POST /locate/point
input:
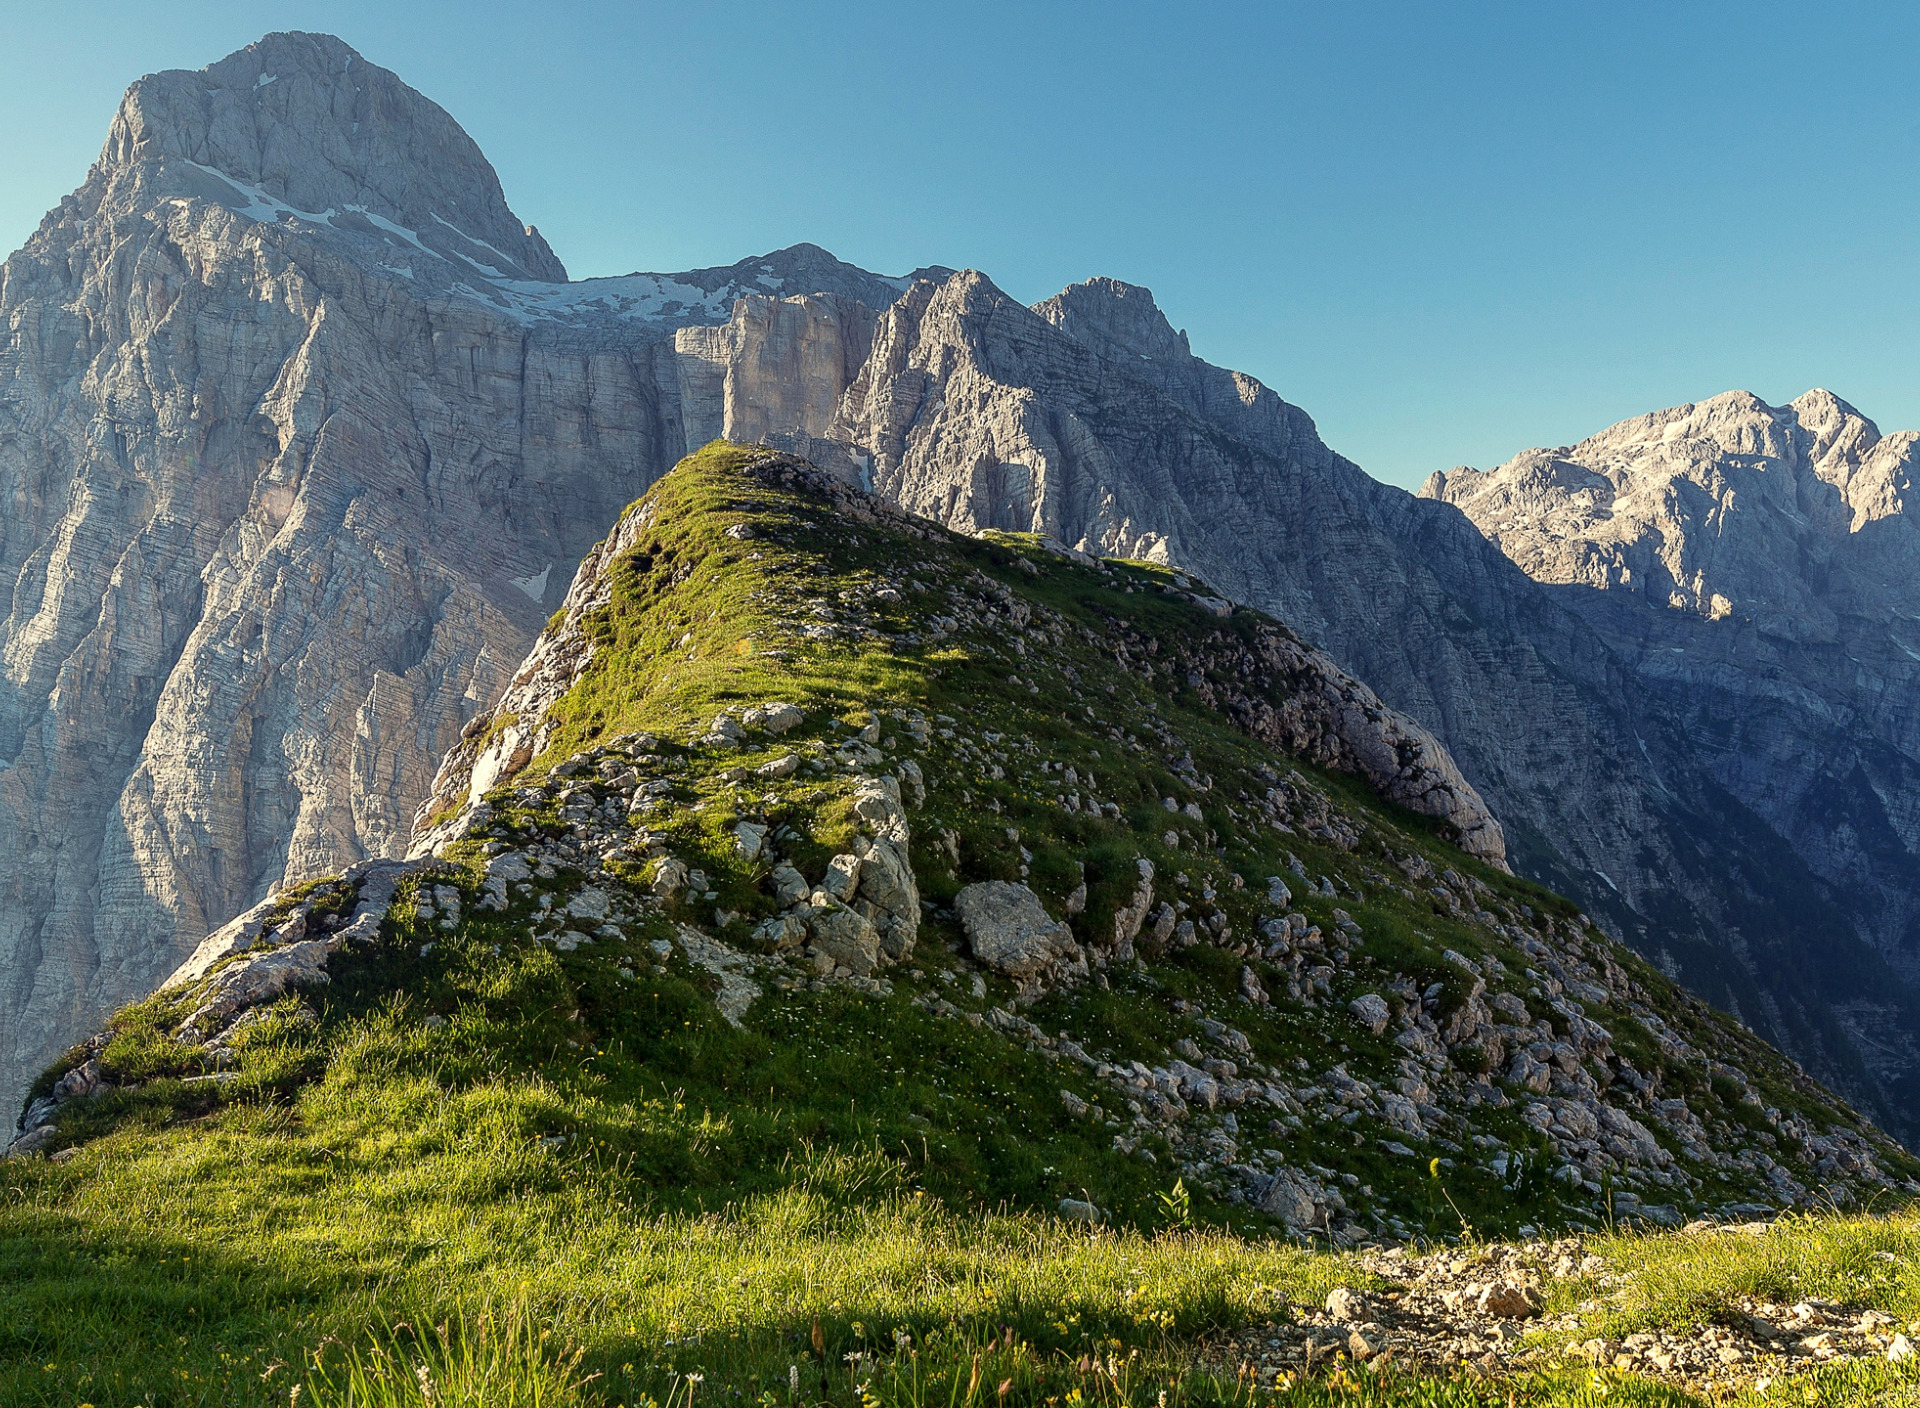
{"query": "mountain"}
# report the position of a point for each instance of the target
(1758, 569)
(302, 433)
(1088, 419)
(1032, 879)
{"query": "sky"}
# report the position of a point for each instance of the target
(1449, 231)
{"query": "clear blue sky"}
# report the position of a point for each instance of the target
(1449, 231)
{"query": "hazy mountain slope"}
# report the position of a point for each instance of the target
(1758, 568)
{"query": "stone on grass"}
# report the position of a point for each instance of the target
(1346, 1304)
(1507, 1300)
(774, 718)
(1370, 1010)
(750, 837)
(669, 877)
(1010, 931)
(843, 935)
(786, 765)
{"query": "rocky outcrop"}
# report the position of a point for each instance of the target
(1010, 931)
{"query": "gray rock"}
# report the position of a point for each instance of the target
(1346, 1304)
(1370, 1010)
(774, 718)
(790, 887)
(749, 837)
(843, 934)
(1129, 918)
(780, 933)
(670, 876)
(589, 902)
(842, 878)
(1009, 930)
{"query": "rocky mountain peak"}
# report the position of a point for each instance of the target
(1728, 506)
(1115, 318)
(301, 125)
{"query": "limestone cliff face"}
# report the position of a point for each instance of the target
(301, 437)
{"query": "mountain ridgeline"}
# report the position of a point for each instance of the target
(1057, 879)
(303, 432)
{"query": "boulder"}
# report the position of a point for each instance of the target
(669, 877)
(1507, 1300)
(750, 837)
(876, 801)
(790, 887)
(843, 934)
(786, 765)
(842, 878)
(1370, 1010)
(888, 887)
(774, 718)
(1010, 931)
(780, 933)
(1130, 917)
(589, 902)
(1346, 1304)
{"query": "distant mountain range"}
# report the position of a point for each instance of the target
(302, 433)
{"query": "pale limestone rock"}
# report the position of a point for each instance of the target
(1370, 1010)
(843, 934)
(1009, 930)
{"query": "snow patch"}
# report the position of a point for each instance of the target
(505, 258)
(264, 79)
(643, 297)
(535, 586)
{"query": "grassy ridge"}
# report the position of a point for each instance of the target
(600, 1187)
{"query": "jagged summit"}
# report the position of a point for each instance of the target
(1115, 318)
(1723, 507)
(301, 127)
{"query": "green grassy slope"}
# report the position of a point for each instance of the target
(471, 1122)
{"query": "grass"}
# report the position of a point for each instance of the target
(1673, 1282)
(498, 1169)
